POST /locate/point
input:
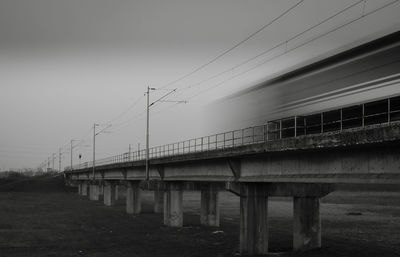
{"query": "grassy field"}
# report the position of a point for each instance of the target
(58, 222)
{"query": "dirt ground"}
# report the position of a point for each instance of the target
(62, 223)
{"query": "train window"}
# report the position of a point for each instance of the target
(288, 127)
(313, 124)
(376, 112)
(395, 108)
(352, 116)
(300, 126)
(331, 120)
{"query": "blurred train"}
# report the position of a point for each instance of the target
(363, 74)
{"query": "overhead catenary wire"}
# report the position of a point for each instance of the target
(234, 46)
(294, 48)
(285, 42)
(363, 15)
(136, 102)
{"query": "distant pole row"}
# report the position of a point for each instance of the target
(72, 142)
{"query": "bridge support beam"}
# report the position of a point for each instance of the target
(209, 213)
(158, 201)
(94, 192)
(173, 207)
(133, 197)
(253, 219)
(109, 193)
(306, 223)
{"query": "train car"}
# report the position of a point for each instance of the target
(363, 74)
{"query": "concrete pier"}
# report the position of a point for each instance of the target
(101, 189)
(173, 208)
(116, 192)
(306, 223)
(158, 201)
(94, 192)
(84, 189)
(209, 212)
(253, 219)
(133, 197)
(109, 193)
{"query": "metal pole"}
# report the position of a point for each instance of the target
(59, 160)
(54, 157)
(71, 153)
(129, 155)
(94, 149)
(147, 135)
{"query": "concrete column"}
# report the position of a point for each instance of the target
(209, 213)
(173, 211)
(133, 197)
(94, 192)
(116, 192)
(253, 219)
(84, 189)
(306, 223)
(109, 193)
(80, 186)
(158, 201)
(101, 189)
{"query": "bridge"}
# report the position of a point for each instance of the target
(302, 156)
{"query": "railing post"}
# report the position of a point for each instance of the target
(389, 111)
(280, 129)
(224, 141)
(295, 126)
(363, 113)
(242, 136)
(322, 122)
(341, 119)
(208, 143)
(233, 138)
(202, 144)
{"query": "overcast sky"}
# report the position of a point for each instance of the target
(65, 65)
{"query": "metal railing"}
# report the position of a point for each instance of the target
(377, 112)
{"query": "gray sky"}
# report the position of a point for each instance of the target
(67, 64)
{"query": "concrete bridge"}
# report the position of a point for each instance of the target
(303, 156)
(300, 157)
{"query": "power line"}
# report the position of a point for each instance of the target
(234, 46)
(127, 109)
(271, 48)
(294, 48)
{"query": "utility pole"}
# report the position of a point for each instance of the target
(94, 148)
(147, 133)
(94, 144)
(54, 157)
(147, 125)
(72, 147)
(48, 164)
(59, 159)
